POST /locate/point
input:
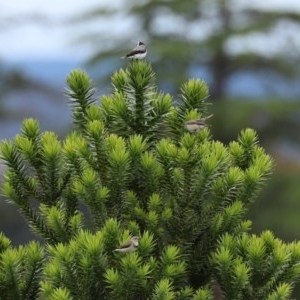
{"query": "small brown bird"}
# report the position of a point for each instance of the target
(196, 125)
(129, 246)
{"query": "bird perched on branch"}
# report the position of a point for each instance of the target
(129, 246)
(138, 52)
(196, 125)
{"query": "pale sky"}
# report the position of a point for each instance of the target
(30, 40)
(35, 39)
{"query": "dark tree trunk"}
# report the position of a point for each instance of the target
(220, 74)
(221, 63)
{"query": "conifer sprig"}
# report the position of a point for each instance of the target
(135, 107)
(81, 95)
(253, 267)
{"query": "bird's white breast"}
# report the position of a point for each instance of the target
(139, 55)
(193, 127)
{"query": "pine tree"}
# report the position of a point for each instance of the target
(131, 168)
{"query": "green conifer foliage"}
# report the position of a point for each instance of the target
(131, 168)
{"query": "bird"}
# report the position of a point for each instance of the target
(196, 125)
(130, 245)
(138, 52)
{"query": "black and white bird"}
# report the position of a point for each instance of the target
(129, 246)
(138, 52)
(196, 125)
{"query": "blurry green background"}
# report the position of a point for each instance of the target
(248, 52)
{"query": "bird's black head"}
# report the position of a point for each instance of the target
(141, 43)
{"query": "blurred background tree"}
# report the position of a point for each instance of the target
(219, 39)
